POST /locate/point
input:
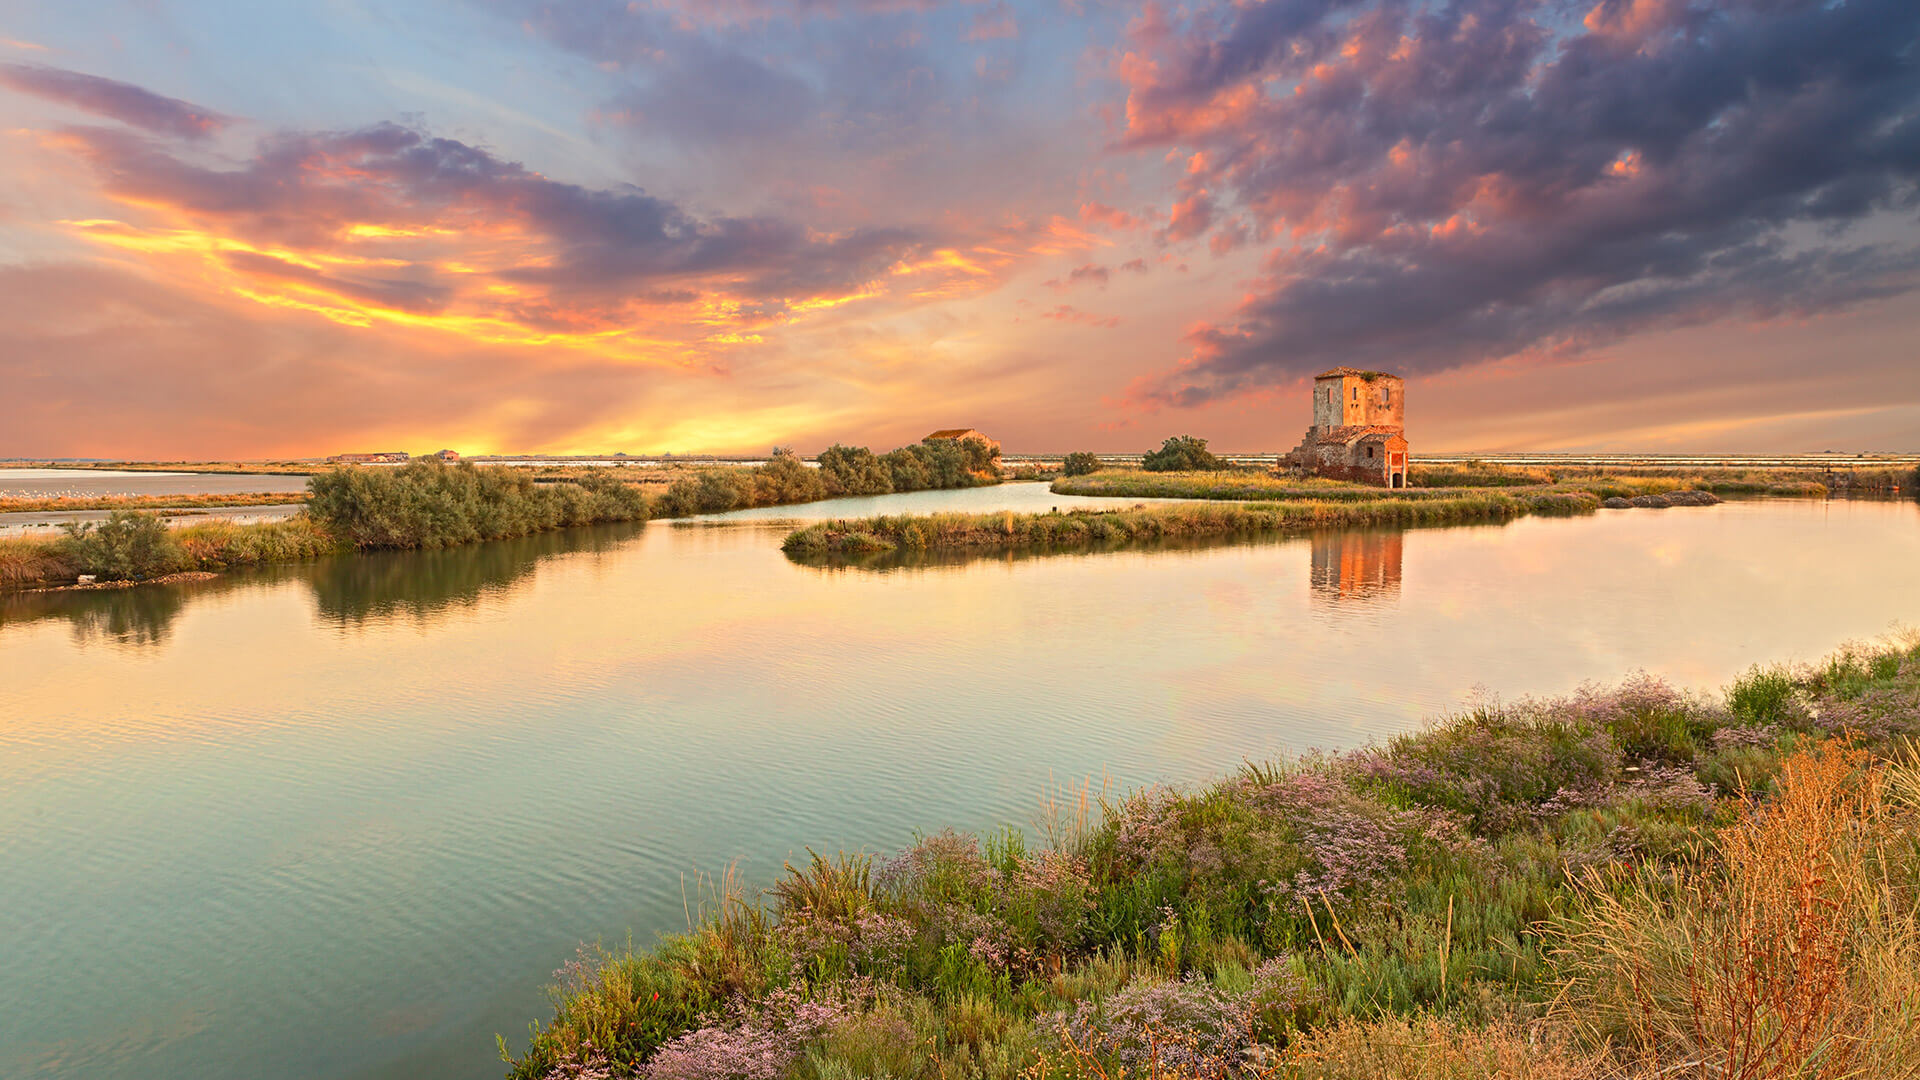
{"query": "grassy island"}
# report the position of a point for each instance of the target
(1081, 528)
(1628, 882)
(1447, 481)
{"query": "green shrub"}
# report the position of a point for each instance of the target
(1080, 463)
(854, 470)
(1182, 453)
(430, 504)
(1765, 695)
(128, 546)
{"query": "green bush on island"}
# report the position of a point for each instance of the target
(128, 546)
(431, 504)
(1182, 453)
(1080, 463)
(1601, 885)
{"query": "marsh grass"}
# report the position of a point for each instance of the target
(36, 504)
(1448, 481)
(1567, 889)
(34, 560)
(934, 532)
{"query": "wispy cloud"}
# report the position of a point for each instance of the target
(115, 100)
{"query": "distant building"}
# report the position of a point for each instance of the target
(983, 453)
(448, 455)
(382, 457)
(965, 435)
(1358, 432)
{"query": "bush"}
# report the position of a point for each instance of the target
(931, 465)
(786, 479)
(1182, 453)
(430, 504)
(1080, 463)
(854, 470)
(128, 546)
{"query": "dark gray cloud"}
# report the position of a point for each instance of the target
(120, 101)
(1450, 185)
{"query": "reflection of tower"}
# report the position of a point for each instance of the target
(1356, 565)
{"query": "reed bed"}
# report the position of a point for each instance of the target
(1450, 481)
(41, 504)
(34, 560)
(1629, 882)
(932, 532)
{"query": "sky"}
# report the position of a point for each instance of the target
(231, 229)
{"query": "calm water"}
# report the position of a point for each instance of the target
(342, 820)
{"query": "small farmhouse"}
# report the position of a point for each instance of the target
(447, 455)
(1358, 432)
(964, 435)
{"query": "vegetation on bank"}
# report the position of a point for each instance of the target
(133, 545)
(1654, 480)
(1429, 482)
(430, 504)
(1080, 528)
(1182, 453)
(45, 503)
(843, 470)
(1627, 882)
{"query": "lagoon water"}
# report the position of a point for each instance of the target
(341, 820)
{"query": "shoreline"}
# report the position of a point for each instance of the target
(1503, 881)
(1083, 528)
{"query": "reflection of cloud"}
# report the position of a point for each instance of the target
(1356, 566)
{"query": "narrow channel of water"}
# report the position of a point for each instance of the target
(341, 820)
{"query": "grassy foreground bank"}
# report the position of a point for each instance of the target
(930, 532)
(1628, 882)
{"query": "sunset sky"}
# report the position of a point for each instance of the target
(242, 229)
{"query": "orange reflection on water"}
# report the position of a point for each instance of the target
(1356, 566)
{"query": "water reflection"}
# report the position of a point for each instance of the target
(134, 617)
(424, 586)
(1356, 566)
(418, 586)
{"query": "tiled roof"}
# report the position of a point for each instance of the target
(1357, 432)
(1342, 372)
(954, 433)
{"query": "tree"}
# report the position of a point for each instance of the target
(1080, 463)
(1182, 453)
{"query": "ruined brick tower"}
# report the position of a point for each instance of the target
(1358, 432)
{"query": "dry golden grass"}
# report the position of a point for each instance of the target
(1390, 1048)
(28, 560)
(1795, 954)
(39, 504)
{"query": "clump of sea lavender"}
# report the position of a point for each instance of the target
(1351, 846)
(1188, 1026)
(590, 1065)
(757, 1046)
